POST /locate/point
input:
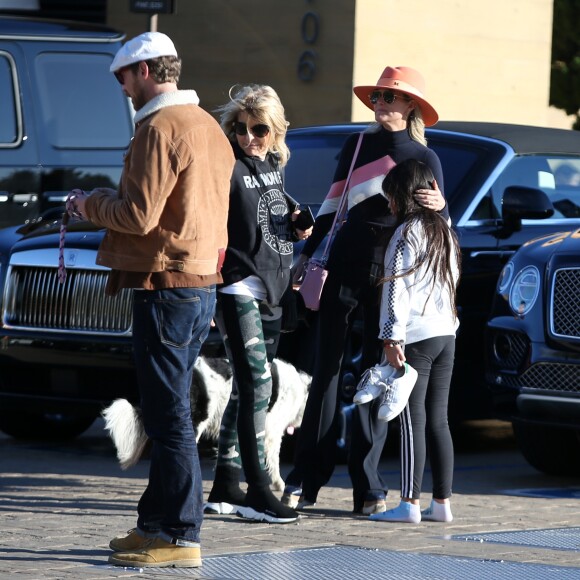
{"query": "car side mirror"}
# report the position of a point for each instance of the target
(524, 203)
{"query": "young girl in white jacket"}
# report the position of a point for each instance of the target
(417, 325)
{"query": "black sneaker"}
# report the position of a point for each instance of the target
(263, 506)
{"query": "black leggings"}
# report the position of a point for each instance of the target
(424, 419)
(317, 439)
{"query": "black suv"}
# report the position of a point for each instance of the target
(533, 345)
(66, 349)
(64, 122)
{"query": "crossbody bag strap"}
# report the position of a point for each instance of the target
(342, 204)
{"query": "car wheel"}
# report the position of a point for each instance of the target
(552, 450)
(29, 425)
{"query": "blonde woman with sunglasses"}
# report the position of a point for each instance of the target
(256, 273)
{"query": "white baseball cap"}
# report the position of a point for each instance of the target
(143, 47)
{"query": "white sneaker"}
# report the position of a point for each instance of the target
(397, 393)
(373, 383)
(405, 512)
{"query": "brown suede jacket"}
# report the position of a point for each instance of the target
(170, 213)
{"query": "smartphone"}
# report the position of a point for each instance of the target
(305, 219)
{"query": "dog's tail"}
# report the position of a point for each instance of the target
(125, 427)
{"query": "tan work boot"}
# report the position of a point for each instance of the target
(158, 553)
(134, 540)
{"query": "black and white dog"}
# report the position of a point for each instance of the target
(210, 390)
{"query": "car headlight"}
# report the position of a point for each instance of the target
(524, 290)
(505, 279)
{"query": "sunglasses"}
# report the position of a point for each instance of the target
(388, 96)
(257, 130)
(119, 74)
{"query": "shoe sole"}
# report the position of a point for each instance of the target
(249, 513)
(430, 518)
(188, 563)
(222, 508)
(376, 518)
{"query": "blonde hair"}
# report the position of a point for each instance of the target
(416, 126)
(262, 103)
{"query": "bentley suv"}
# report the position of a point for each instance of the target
(533, 348)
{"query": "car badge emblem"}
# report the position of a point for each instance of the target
(71, 259)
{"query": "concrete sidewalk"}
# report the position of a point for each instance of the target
(60, 506)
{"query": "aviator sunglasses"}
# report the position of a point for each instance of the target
(120, 74)
(388, 96)
(259, 130)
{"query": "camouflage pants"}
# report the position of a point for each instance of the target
(250, 331)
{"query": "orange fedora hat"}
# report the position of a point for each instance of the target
(406, 80)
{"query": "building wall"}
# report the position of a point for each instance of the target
(484, 60)
(224, 42)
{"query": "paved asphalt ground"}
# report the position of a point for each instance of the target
(61, 504)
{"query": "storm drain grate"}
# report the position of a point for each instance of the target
(358, 563)
(553, 539)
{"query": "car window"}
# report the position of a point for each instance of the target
(566, 194)
(311, 167)
(457, 161)
(8, 110)
(557, 176)
(80, 99)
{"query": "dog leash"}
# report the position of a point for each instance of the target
(71, 210)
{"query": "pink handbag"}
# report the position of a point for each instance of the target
(315, 273)
(311, 288)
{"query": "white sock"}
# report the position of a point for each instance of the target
(438, 512)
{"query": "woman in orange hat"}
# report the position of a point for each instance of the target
(355, 268)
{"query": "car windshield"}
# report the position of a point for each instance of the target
(309, 173)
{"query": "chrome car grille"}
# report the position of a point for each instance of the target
(565, 314)
(560, 377)
(34, 299)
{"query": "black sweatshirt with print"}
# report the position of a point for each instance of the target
(259, 225)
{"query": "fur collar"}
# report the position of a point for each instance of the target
(166, 100)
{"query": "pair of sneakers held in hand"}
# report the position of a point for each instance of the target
(393, 385)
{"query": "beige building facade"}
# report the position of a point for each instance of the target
(484, 60)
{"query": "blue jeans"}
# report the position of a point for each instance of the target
(169, 327)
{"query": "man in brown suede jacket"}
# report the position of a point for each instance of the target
(166, 237)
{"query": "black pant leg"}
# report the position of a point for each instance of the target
(316, 445)
(368, 434)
